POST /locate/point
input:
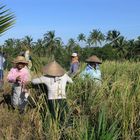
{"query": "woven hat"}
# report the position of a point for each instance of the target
(20, 59)
(53, 69)
(94, 59)
(74, 54)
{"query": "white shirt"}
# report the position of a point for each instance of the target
(56, 85)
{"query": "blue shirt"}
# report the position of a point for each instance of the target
(90, 72)
(74, 67)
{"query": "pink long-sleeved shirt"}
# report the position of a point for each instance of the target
(14, 73)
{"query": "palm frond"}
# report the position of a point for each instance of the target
(7, 19)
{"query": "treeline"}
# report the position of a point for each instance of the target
(110, 46)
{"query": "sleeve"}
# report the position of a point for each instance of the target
(11, 76)
(27, 76)
(38, 80)
(69, 79)
(86, 74)
(3, 59)
(83, 74)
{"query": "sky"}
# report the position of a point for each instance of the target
(71, 17)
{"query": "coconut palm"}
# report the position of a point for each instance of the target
(39, 48)
(121, 46)
(27, 41)
(71, 45)
(112, 36)
(10, 43)
(18, 43)
(7, 19)
(81, 37)
(131, 48)
(11, 47)
(96, 37)
(51, 42)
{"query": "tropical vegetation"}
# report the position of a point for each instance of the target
(109, 112)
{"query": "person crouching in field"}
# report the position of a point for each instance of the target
(19, 76)
(92, 69)
(55, 79)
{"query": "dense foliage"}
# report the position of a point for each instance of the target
(109, 112)
(111, 46)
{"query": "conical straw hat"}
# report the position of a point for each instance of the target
(20, 59)
(53, 69)
(94, 58)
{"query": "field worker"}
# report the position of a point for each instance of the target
(19, 76)
(92, 69)
(55, 79)
(74, 64)
(2, 61)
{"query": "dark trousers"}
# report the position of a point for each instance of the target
(58, 109)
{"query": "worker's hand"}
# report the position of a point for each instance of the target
(18, 79)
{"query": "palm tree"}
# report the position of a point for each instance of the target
(121, 46)
(9, 43)
(51, 42)
(112, 36)
(18, 43)
(7, 19)
(10, 47)
(27, 42)
(95, 37)
(39, 48)
(81, 37)
(131, 48)
(71, 45)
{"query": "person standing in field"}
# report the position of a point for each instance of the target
(19, 76)
(74, 64)
(2, 62)
(92, 69)
(55, 79)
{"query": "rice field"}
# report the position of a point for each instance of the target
(108, 112)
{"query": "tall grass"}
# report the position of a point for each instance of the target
(108, 112)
